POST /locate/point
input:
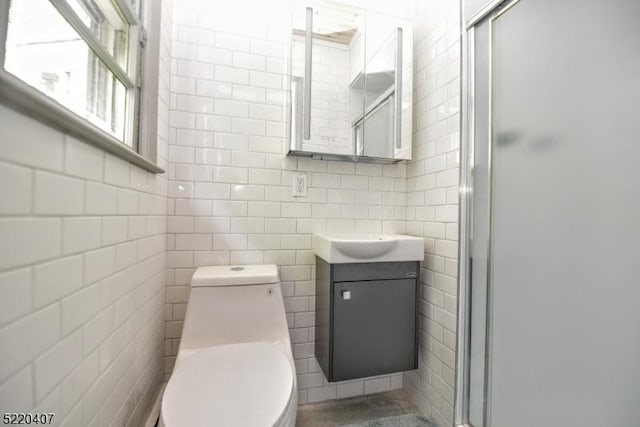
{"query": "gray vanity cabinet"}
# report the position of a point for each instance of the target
(366, 318)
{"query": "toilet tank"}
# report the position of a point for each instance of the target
(239, 275)
(229, 305)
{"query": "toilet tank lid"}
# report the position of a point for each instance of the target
(234, 275)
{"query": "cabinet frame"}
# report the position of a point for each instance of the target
(327, 277)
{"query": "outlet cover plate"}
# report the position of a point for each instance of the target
(299, 185)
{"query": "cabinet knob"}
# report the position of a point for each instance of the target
(346, 294)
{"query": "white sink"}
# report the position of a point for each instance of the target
(346, 248)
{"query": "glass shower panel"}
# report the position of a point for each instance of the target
(564, 272)
(479, 241)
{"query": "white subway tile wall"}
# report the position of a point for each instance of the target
(82, 273)
(432, 199)
(230, 182)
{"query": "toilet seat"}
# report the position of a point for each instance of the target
(247, 385)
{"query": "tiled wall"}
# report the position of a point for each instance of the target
(230, 181)
(432, 198)
(82, 276)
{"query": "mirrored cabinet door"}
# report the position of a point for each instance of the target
(351, 82)
(324, 38)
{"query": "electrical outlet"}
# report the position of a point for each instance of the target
(299, 186)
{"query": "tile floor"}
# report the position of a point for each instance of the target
(355, 409)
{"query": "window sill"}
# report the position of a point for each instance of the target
(19, 95)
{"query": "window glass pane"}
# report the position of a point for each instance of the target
(106, 98)
(109, 27)
(44, 51)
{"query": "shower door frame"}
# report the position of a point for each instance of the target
(462, 396)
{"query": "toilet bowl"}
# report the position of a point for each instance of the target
(234, 366)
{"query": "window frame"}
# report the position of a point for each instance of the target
(141, 105)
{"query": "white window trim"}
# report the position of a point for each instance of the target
(149, 70)
(19, 95)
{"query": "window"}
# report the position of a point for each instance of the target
(84, 54)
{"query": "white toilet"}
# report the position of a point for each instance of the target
(234, 366)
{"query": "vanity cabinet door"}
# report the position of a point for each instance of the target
(374, 328)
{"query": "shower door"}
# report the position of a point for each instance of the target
(550, 267)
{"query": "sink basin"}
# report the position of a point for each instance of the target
(364, 247)
(352, 248)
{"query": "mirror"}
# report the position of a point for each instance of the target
(351, 84)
